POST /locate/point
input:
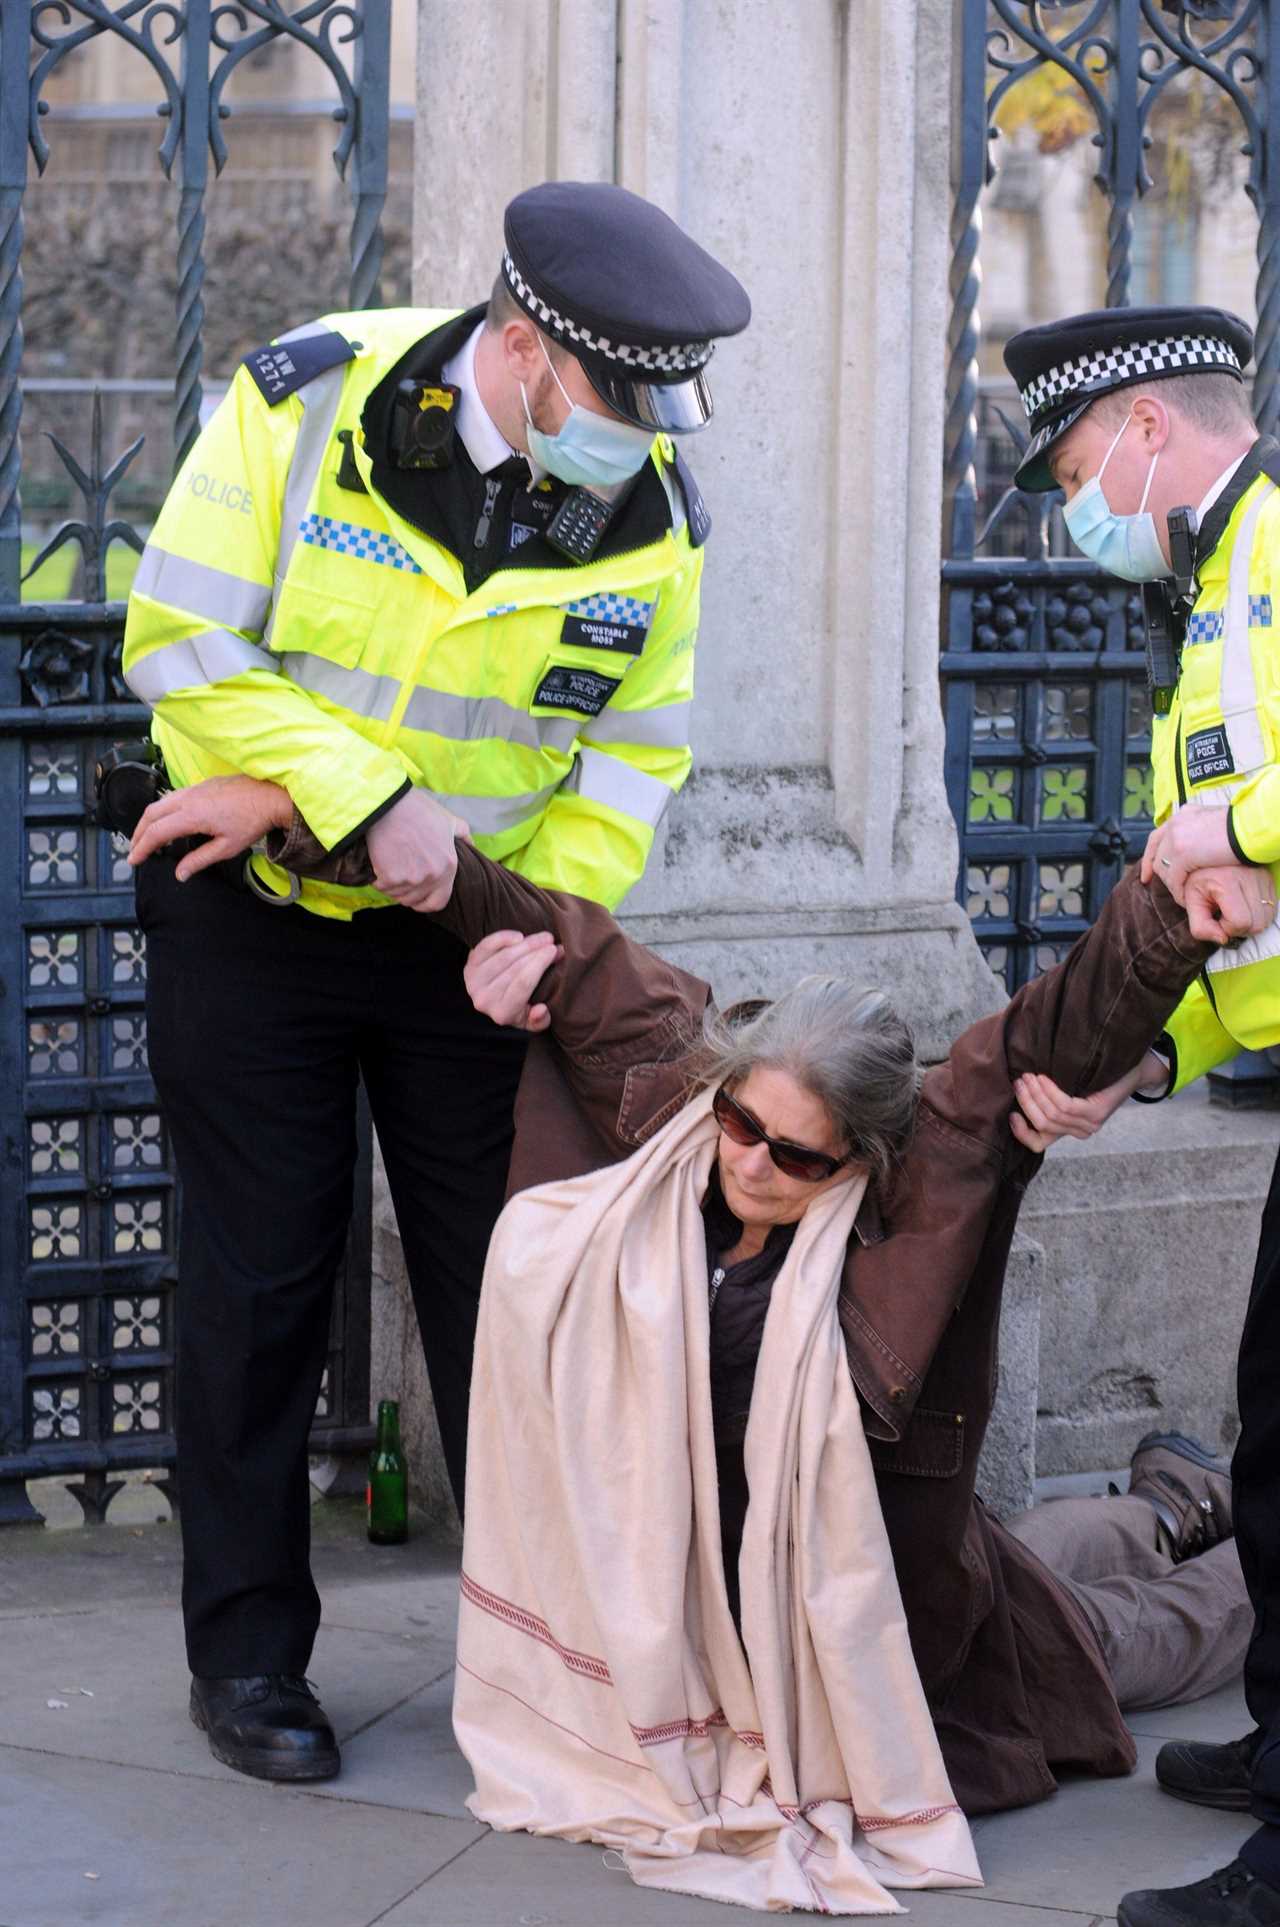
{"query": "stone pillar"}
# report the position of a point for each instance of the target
(808, 147)
(815, 830)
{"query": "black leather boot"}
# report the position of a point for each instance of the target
(270, 1725)
(1209, 1775)
(1232, 1897)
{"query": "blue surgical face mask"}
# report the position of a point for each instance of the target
(588, 450)
(1125, 545)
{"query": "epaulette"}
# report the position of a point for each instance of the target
(282, 367)
(694, 507)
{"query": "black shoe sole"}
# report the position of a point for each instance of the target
(267, 1764)
(1223, 1800)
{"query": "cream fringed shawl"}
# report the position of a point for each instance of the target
(603, 1693)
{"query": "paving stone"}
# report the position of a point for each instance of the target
(408, 1759)
(1099, 1839)
(172, 1852)
(514, 1880)
(1218, 1716)
(131, 1660)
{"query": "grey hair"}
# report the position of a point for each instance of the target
(844, 1044)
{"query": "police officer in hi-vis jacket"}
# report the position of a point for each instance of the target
(429, 572)
(1136, 413)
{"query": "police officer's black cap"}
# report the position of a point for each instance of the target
(632, 298)
(1063, 366)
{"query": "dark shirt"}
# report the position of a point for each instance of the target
(739, 1306)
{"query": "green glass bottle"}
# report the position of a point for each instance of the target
(387, 1493)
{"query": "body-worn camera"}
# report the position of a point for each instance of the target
(127, 779)
(423, 424)
(1165, 611)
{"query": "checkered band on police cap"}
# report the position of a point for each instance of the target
(662, 362)
(1115, 367)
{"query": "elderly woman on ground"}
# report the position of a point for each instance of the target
(626, 1444)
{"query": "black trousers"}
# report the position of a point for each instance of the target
(260, 1022)
(1255, 1474)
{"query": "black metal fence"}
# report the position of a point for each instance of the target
(1048, 724)
(89, 1284)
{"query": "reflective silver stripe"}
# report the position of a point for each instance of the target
(459, 719)
(354, 689)
(471, 719)
(307, 329)
(492, 815)
(675, 496)
(215, 656)
(202, 590)
(604, 779)
(320, 402)
(1237, 687)
(1252, 950)
(664, 728)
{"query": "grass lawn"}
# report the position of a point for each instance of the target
(52, 583)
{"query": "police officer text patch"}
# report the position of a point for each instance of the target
(1209, 756)
(607, 622)
(580, 690)
(281, 370)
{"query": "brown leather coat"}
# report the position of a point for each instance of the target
(1014, 1676)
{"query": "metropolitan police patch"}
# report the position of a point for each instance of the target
(1209, 756)
(281, 368)
(580, 690)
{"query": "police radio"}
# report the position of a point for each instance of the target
(582, 520)
(1165, 610)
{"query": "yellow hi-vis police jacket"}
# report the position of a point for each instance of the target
(286, 627)
(1219, 748)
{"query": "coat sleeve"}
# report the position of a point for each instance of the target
(622, 1018)
(1084, 1023)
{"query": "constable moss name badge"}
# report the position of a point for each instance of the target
(1209, 756)
(619, 622)
(581, 690)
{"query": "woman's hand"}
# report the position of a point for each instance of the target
(502, 973)
(1046, 1113)
(234, 812)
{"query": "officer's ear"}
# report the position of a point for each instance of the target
(1151, 420)
(520, 350)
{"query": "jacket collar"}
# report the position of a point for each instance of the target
(418, 495)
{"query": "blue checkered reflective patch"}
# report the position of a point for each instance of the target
(1259, 611)
(1204, 626)
(605, 607)
(502, 609)
(370, 545)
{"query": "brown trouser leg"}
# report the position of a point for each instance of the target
(1169, 1632)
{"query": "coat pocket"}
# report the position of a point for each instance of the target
(932, 1447)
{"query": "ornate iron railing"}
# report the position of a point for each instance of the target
(1042, 666)
(89, 1286)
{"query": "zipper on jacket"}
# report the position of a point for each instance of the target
(717, 1279)
(1182, 797)
(492, 490)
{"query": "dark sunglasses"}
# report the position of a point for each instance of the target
(793, 1160)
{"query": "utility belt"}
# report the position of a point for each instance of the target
(127, 779)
